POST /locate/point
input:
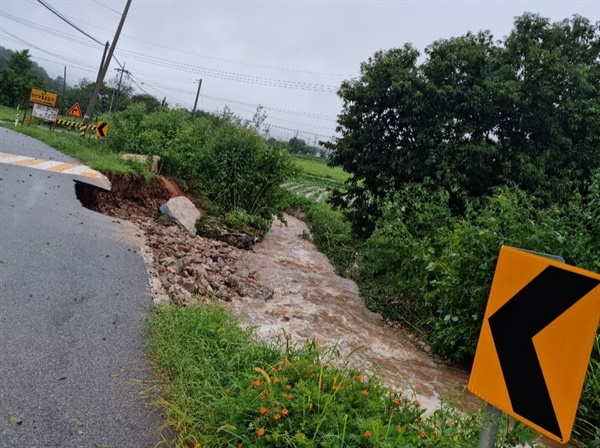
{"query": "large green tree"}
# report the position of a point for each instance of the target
(17, 77)
(477, 113)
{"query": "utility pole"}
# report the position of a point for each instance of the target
(197, 95)
(116, 97)
(64, 101)
(104, 68)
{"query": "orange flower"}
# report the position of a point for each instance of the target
(396, 402)
(365, 392)
(256, 383)
(422, 435)
(197, 445)
(390, 390)
(263, 395)
(277, 416)
(399, 428)
(432, 433)
(284, 411)
(260, 432)
(288, 387)
(367, 434)
(240, 445)
(287, 363)
(336, 387)
(264, 410)
(360, 378)
(290, 397)
(418, 404)
(275, 380)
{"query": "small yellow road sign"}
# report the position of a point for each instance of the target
(101, 129)
(74, 111)
(535, 344)
(43, 97)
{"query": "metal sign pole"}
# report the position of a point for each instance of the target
(487, 438)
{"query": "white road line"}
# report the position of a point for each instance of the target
(13, 159)
(46, 165)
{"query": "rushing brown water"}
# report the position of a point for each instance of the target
(311, 301)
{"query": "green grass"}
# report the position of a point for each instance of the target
(318, 167)
(9, 113)
(222, 388)
(91, 152)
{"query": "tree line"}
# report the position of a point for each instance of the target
(476, 114)
(18, 74)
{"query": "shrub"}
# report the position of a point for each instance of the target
(221, 159)
(226, 389)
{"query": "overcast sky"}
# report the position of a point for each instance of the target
(289, 56)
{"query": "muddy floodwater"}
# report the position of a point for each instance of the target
(311, 301)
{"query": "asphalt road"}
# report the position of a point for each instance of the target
(72, 302)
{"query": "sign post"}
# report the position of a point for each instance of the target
(536, 339)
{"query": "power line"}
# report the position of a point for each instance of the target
(60, 16)
(107, 7)
(222, 74)
(56, 55)
(180, 66)
(248, 64)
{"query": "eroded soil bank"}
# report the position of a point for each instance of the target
(283, 286)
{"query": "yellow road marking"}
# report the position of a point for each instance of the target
(28, 162)
(62, 167)
(55, 167)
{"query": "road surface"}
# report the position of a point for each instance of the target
(72, 301)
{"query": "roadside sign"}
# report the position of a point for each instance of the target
(44, 97)
(74, 111)
(101, 129)
(535, 344)
(44, 112)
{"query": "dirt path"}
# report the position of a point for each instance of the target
(310, 300)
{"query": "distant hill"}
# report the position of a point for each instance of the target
(50, 84)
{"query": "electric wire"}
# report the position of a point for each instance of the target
(180, 66)
(60, 16)
(107, 7)
(230, 61)
(244, 78)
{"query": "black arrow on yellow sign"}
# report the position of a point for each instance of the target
(513, 327)
(102, 129)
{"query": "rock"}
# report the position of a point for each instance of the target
(189, 287)
(232, 281)
(264, 293)
(144, 160)
(182, 210)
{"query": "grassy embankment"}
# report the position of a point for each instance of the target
(431, 271)
(90, 151)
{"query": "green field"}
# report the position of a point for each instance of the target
(318, 167)
(315, 180)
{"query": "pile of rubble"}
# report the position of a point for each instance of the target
(184, 268)
(193, 268)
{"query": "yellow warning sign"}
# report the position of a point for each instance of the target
(75, 111)
(536, 340)
(43, 97)
(101, 129)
